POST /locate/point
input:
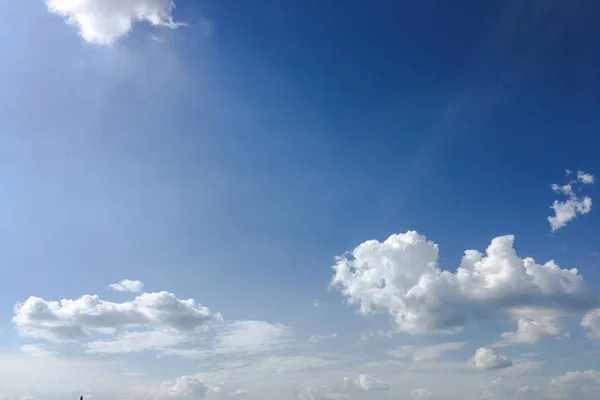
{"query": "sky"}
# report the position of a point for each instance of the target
(303, 200)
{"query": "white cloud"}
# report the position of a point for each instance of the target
(425, 353)
(591, 322)
(576, 385)
(379, 333)
(421, 394)
(486, 359)
(532, 330)
(499, 389)
(365, 383)
(238, 337)
(127, 286)
(401, 276)
(75, 319)
(131, 342)
(185, 386)
(251, 337)
(586, 178)
(320, 338)
(37, 351)
(566, 210)
(312, 393)
(105, 21)
(316, 303)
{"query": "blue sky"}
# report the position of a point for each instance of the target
(227, 152)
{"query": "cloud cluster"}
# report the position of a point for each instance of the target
(127, 285)
(105, 21)
(566, 210)
(486, 359)
(75, 319)
(401, 276)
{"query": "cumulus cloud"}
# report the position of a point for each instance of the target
(365, 383)
(105, 21)
(586, 178)
(75, 319)
(532, 330)
(401, 276)
(591, 322)
(566, 210)
(127, 286)
(185, 386)
(486, 359)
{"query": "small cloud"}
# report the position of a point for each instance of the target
(533, 330)
(585, 178)
(127, 286)
(366, 383)
(316, 303)
(319, 338)
(486, 359)
(425, 353)
(568, 172)
(566, 210)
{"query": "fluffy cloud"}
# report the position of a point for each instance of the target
(586, 178)
(127, 286)
(532, 330)
(75, 319)
(425, 353)
(576, 385)
(185, 386)
(591, 322)
(566, 210)
(487, 359)
(401, 276)
(365, 383)
(105, 21)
